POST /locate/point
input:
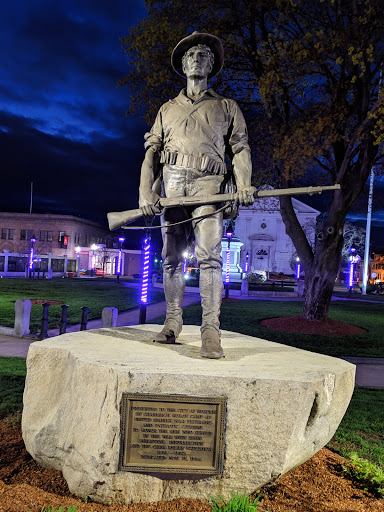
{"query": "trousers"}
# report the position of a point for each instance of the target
(208, 234)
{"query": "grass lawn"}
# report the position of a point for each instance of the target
(94, 293)
(244, 317)
(362, 428)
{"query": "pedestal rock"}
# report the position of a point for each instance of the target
(283, 405)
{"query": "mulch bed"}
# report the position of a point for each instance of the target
(319, 485)
(297, 324)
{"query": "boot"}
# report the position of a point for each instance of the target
(211, 346)
(174, 285)
(167, 335)
(211, 291)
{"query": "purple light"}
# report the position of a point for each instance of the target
(119, 259)
(351, 269)
(298, 266)
(247, 262)
(121, 239)
(144, 284)
(31, 253)
(227, 265)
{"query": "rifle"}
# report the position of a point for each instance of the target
(118, 219)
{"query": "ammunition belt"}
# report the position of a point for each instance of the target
(200, 163)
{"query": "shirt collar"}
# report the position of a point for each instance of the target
(208, 92)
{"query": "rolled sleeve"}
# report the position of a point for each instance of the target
(154, 138)
(238, 139)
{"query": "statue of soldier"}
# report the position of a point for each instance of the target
(185, 150)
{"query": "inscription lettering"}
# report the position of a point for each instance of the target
(174, 434)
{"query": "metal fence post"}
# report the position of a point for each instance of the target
(63, 321)
(44, 321)
(84, 318)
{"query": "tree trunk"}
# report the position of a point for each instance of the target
(321, 265)
(321, 273)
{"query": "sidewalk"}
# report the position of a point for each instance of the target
(369, 371)
(10, 346)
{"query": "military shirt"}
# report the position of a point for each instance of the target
(207, 128)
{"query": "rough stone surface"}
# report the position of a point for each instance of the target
(283, 405)
(22, 315)
(109, 317)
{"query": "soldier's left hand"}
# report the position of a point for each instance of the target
(245, 196)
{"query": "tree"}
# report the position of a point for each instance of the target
(353, 235)
(306, 74)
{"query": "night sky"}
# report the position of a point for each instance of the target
(62, 117)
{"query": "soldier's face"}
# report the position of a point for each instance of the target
(197, 63)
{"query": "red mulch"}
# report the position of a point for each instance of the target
(319, 485)
(297, 324)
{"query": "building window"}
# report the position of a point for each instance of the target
(23, 234)
(42, 236)
(49, 236)
(10, 234)
(61, 235)
(30, 234)
(4, 234)
(57, 265)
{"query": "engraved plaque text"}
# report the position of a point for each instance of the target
(172, 433)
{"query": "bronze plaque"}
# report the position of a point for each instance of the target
(172, 434)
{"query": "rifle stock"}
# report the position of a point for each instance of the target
(118, 219)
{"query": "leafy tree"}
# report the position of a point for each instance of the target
(306, 74)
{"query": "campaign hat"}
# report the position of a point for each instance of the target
(194, 39)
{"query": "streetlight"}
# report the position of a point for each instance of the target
(229, 234)
(353, 258)
(119, 259)
(145, 278)
(247, 262)
(94, 248)
(185, 256)
(298, 267)
(31, 256)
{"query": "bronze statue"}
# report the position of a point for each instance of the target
(187, 146)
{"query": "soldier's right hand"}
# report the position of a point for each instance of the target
(148, 203)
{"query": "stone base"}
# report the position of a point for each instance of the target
(283, 405)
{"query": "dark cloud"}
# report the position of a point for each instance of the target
(62, 118)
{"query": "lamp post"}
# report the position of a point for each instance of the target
(185, 256)
(119, 259)
(94, 248)
(31, 257)
(352, 261)
(298, 268)
(145, 278)
(229, 234)
(77, 252)
(247, 262)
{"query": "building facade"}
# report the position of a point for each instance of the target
(260, 232)
(55, 245)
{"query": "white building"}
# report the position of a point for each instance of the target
(261, 233)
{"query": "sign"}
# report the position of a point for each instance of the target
(65, 242)
(84, 252)
(172, 434)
